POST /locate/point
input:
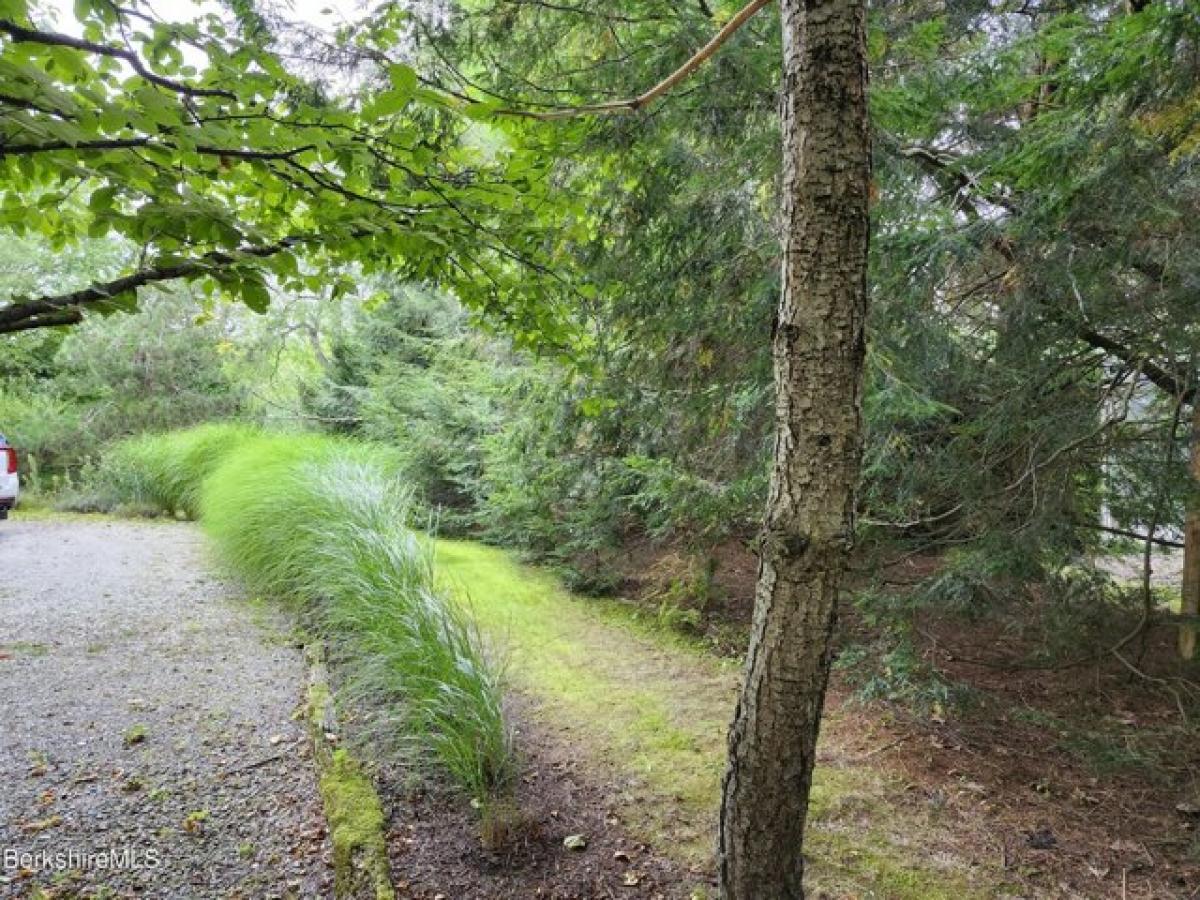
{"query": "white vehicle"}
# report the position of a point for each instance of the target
(10, 482)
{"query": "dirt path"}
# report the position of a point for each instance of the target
(149, 716)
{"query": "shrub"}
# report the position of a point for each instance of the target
(40, 426)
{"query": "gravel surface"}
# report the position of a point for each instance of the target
(148, 718)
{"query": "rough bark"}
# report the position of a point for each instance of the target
(1190, 588)
(808, 531)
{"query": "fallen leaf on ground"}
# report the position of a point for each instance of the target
(575, 842)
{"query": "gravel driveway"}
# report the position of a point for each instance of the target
(148, 746)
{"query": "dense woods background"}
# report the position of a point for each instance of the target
(1032, 341)
(603, 401)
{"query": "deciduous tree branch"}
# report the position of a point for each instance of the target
(24, 103)
(65, 309)
(66, 317)
(18, 34)
(132, 143)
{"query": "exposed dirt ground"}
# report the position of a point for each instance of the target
(436, 850)
(1086, 778)
(146, 710)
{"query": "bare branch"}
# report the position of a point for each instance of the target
(1135, 535)
(645, 99)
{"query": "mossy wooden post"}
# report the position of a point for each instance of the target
(1189, 591)
(819, 349)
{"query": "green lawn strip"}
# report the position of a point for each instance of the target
(654, 709)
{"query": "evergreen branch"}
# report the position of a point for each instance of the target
(584, 11)
(943, 168)
(633, 104)
(1173, 383)
(1136, 535)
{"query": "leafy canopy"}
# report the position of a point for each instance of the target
(195, 143)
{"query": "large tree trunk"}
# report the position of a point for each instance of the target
(818, 350)
(1190, 588)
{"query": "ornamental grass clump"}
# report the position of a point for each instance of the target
(325, 522)
(161, 473)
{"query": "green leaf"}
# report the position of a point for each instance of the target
(403, 78)
(101, 200)
(254, 293)
(387, 104)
